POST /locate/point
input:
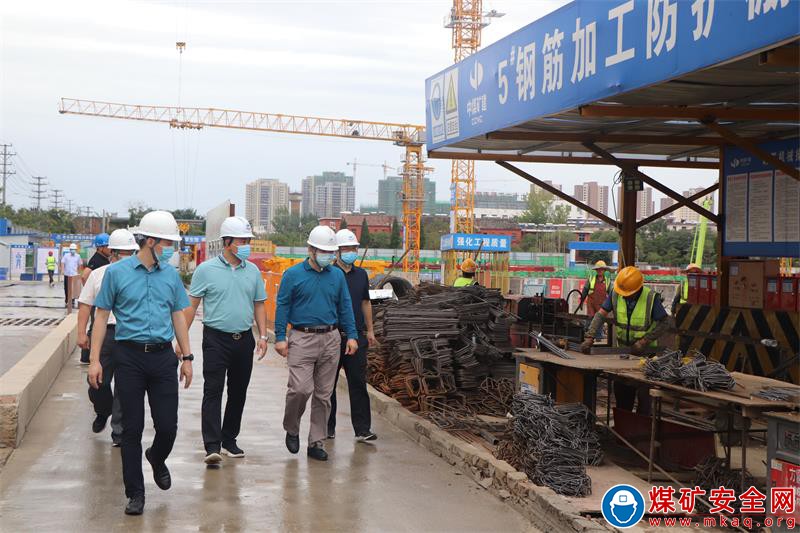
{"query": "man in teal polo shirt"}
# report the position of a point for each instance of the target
(314, 299)
(148, 299)
(232, 292)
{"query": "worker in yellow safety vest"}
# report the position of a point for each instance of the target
(51, 265)
(639, 320)
(467, 277)
(682, 296)
(596, 288)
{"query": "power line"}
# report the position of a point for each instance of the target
(39, 193)
(57, 198)
(6, 164)
(69, 205)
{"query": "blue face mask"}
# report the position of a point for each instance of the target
(349, 257)
(242, 252)
(324, 260)
(166, 254)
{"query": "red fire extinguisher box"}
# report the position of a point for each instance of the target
(772, 293)
(788, 293)
(692, 296)
(712, 291)
(703, 286)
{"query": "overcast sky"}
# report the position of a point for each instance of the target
(354, 59)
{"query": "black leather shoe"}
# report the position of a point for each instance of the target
(99, 423)
(135, 505)
(160, 473)
(318, 453)
(292, 443)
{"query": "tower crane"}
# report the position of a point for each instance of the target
(466, 19)
(409, 136)
(355, 163)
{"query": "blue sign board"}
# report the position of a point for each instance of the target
(470, 242)
(193, 239)
(59, 237)
(762, 205)
(592, 49)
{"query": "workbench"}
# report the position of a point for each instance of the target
(737, 401)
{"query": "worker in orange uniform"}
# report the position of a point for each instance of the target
(682, 296)
(596, 288)
(639, 320)
(467, 277)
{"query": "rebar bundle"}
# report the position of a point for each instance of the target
(778, 394)
(695, 373)
(552, 444)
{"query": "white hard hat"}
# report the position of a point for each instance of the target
(623, 497)
(345, 237)
(237, 227)
(122, 239)
(73, 246)
(159, 225)
(323, 238)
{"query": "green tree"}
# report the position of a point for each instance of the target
(379, 240)
(541, 209)
(546, 242)
(343, 225)
(291, 230)
(136, 210)
(601, 236)
(46, 220)
(365, 237)
(432, 230)
(188, 213)
(395, 240)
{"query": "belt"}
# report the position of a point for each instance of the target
(148, 347)
(235, 336)
(315, 329)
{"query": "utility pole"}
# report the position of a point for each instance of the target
(69, 205)
(39, 190)
(57, 197)
(5, 163)
(87, 211)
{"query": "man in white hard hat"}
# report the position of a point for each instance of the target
(232, 292)
(121, 244)
(355, 365)
(314, 299)
(71, 262)
(148, 299)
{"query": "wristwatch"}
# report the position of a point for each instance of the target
(263, 338)
(189, 357)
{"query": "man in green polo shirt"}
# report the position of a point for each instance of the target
(232, 292)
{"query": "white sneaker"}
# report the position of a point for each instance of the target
(213, 458)
(366, 437)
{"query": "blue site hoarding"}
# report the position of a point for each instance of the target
(592, 49)
(470, 242)
(762, 205)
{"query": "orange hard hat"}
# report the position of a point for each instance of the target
(693, 267)
(469, 266)
(628, 281)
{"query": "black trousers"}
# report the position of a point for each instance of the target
(138, 373)
(103, 399)
(66, 288)
(355, 369)
(50, 273)
(224, 355)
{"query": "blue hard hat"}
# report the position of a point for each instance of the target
(101, 240)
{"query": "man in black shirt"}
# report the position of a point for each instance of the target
(100, 258)
(355, 365)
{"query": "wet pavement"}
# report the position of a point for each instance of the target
(26, 299)
(65, 478)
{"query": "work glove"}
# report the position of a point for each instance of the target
(638, 348)
(586, 345)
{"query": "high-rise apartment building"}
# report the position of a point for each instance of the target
(323, 201)
(499, 200)
(592, 194)
(687, 215)
(390, 195)
(645, 206)
(263, 198)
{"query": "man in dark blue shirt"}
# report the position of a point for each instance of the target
(355, 366)
(314, 299)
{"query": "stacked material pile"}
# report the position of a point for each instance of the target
(439, 346)
(693, 371)
(552, 444)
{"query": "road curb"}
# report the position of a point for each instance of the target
(27, 383)
(545, 509)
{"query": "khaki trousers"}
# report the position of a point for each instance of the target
(313, 361)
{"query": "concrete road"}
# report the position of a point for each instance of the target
(65, 478)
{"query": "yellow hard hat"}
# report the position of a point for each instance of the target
(599, 264)
(628, 281)
(469, 266)
(692, 266)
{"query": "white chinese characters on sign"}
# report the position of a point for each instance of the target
(585, 40)
(621, 54)
(553, 72)
(526, 72)
(662, 19)
(757, 7)
(704, 17)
